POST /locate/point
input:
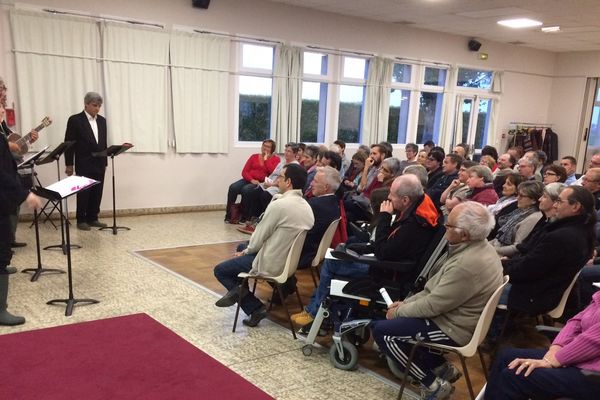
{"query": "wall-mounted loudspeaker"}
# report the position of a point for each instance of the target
(474, 45)
(201, 3)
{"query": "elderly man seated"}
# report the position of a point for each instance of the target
(447, 310)
(286, 216)
(404, 238)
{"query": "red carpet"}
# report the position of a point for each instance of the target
(130, 357)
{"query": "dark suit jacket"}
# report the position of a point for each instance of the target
(325, 209)
(79, 130)
(11, 192)
(540, 276)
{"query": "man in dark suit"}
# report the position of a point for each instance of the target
(88, 130)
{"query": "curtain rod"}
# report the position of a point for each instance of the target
(338, 52)
(531, 124)
(133, 22)
(249, 38)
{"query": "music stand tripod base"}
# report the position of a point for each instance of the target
(71, 303)
(115, 229)
(38, 271)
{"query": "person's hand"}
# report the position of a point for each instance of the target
(348, 183)
(254, 182)
(529, 365)
(69, 170)
(391, 311)
(34, 136)
(454, 184)
(33, 201)
(369, 162)
(238, 253)
(387, 207)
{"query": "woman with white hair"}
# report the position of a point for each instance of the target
(447, 310)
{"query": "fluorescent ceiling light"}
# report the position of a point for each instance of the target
(550, 29)
(520, 23)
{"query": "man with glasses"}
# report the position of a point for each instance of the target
(411, 151)
(541, 274)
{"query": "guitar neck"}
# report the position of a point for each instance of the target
(27, 138)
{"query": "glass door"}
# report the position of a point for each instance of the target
(590, 143)
(473, 115)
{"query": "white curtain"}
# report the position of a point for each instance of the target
(377, 101)
(448, 116)
(497, 82)
(200, 84)
(494, 137)
(287, 95)
(135, 73)
(57, 63)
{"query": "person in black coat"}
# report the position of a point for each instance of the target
(541, 275)
(12, 195)
(88, 130)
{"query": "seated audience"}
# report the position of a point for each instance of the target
(517, 225)
(490, 151)
(458, 191)
(434, 167)
(256, 169)
(411, 150)
(352, 177)
(506, 163)
(428, 145)
(309, 162)
(507, 203)
(461, 149)
(489, 162)
(527, 168)
(447, 310)
(450, 167)
(540, 275)
(419, 171)
(554, 173)
(522, 374)
(286, 216)
(422, 158)
(372, 163)
(480, 183)
(569, 163)
(342, 152)
(406, 238)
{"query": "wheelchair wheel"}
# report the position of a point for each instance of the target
(307, 350)
(357, 339)
(350, 359)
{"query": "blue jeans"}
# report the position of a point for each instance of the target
(227, 272)
(543, 383)
(334, 269)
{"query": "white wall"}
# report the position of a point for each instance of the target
(146, 181)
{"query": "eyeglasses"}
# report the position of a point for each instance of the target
(431, 158)
(549, 174)
(450, 226)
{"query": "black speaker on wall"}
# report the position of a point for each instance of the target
(474, 45)
(201, 3)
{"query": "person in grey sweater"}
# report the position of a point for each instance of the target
(446, 311)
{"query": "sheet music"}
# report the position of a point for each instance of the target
(71, 185)
(329, 256)
(33, 156)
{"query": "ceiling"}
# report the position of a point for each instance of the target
(579, 20)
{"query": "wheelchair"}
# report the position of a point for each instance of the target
(352, 306)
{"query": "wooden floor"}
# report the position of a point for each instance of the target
(197, 262)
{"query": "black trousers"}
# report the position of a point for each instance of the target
(88, 201)
(5, 241)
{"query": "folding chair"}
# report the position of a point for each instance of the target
(323, 246)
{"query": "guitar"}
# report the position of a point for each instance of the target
(25, 141)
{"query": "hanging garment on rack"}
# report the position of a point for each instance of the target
(550, 145)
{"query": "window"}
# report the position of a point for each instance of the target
(255, 90)
(401, 73)
(314, 98)
(430, 116)
(398, 117)
(483, 123)
(473, 78)
(351, 99)
(434, 76)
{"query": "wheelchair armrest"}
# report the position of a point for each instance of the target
(592, 376)
(342, 252)
(549, 331)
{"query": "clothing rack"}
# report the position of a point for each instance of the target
(534, 136)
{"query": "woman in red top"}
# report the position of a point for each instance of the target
(256, 169)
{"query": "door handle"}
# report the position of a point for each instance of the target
(585, 134)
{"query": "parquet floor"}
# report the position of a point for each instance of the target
(197, 262)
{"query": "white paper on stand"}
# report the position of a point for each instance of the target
(70, 185)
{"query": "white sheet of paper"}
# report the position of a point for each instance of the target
(71, 185)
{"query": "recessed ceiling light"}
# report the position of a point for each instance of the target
(520, 23)
(550, 29)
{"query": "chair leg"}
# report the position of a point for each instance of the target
(299, 299)
(485, 372)
(467, 378)
(407, 369)
(312, 275)
(239, 303)
(287, 312)
(275, 290)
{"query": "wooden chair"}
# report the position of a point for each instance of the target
(468, 350)
(322, 250)
(291, 264)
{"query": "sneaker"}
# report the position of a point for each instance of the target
(302, 318)
(443, 390)
(448, 372)
(248, 229)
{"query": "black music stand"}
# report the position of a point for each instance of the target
(55, 156)
(112, 152)
(30, 163)
(60, 191)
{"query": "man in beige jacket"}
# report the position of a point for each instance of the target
(285, 217)
(446, 311)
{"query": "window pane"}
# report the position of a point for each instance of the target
(435, 76)
(314, 108)
(355, 68)
(315, 63)
(255, 108)
(398, 119)
(254, 56)
(430, 115)
(467, 108)
(350, 115)
(474, 78)
(401, 73)
(483, 123)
